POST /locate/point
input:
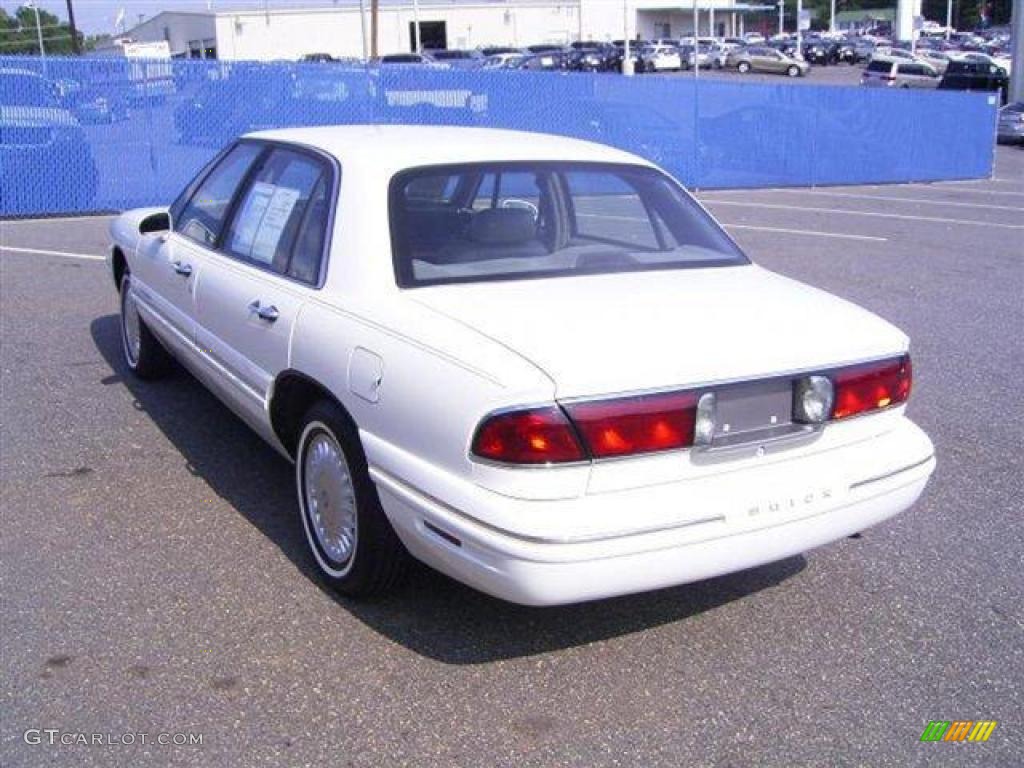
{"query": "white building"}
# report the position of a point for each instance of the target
(261, 34)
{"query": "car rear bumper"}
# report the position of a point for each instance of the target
(776, 517)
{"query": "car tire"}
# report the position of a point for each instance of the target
(743, 68)
(357, 552)
(143, 354)
(793, 71)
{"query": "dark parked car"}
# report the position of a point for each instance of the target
(589, 58)
(548, 61)
(820, 51)
(495, 50)
(964, 75)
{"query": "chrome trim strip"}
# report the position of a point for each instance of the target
(401, 486)
(887, 475)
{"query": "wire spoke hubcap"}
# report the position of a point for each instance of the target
(330, 497)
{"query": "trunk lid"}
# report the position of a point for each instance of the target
(616, 333)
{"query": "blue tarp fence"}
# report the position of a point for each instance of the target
(80, 135)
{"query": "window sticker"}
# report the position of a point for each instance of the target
(262, 222)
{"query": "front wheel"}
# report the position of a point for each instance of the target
(793, 71)
(743, 68)
(356, 550)
(143, 354)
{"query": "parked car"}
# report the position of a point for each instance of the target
(410, 58)
(504, 61)
(499, 50)
(758, 58)
(549, 61)
(45, 160)
(660, 58)
(1011, 123)
(965, 75)
(618, 53)
(938, 60)
(899, 73)
(589, 58)
(486, 387)
(457, 59)
(821, 51)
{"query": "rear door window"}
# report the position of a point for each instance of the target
(281, 219)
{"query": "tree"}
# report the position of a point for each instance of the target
(18, 35)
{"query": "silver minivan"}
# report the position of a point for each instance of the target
(899, 73)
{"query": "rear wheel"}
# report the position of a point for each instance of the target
(743, 67)
(356, 550)
(143, 354)
(793, 71)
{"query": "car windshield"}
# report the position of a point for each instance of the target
(509, 221)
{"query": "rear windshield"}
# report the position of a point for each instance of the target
(510, 221)
(880, 66)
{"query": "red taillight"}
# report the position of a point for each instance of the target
(869, 387)
(632, 425)
(532, 436)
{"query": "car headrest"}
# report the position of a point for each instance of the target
(502, 226)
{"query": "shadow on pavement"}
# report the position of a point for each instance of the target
(431, 615)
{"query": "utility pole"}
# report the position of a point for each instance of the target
(76, 47)
(362, 26)
(374, 13)
(416, 25)
(627, 61)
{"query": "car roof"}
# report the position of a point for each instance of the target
(392, 148)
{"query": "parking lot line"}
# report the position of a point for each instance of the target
(65, 254)
(888, 198)
(904, 217)
(840, 235)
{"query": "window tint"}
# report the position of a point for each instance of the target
(203, 215)
(282, 216)
(884, 67)
(517, 220)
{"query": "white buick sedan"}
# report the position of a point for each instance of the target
(534, 363)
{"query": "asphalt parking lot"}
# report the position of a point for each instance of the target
(155, 577)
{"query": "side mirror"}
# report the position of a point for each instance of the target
(155, 222)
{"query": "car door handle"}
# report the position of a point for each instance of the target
(270, 313)
(182, 269)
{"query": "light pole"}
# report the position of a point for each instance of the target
(416, 24)
(362, 26)
(832, 18)
(627, 62)
(39, 27)
(696, 47)
(949, 18)
(782, 16)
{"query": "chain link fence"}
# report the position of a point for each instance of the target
(81, 134)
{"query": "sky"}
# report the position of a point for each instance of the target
(97, 16)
